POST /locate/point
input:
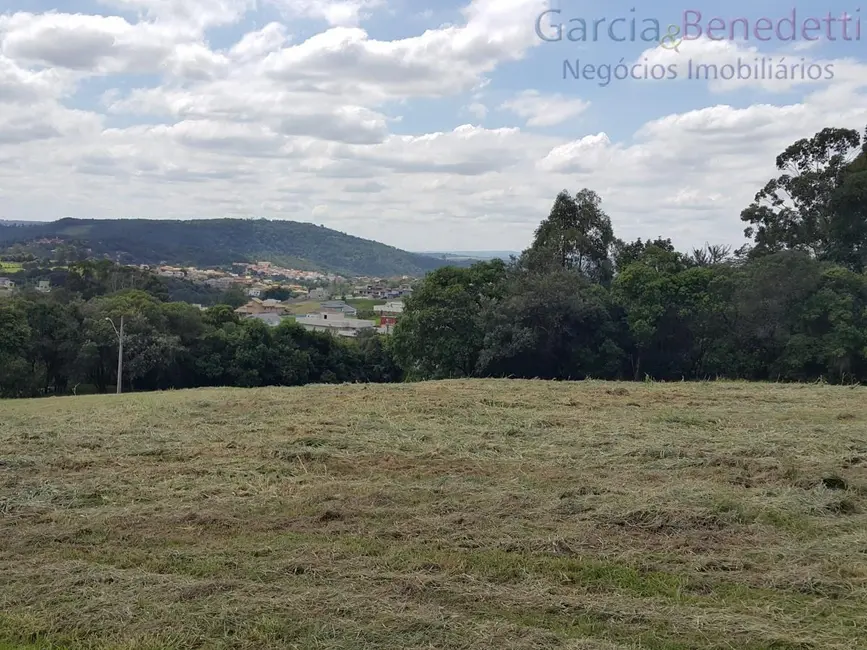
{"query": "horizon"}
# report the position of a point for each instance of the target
(453, 251)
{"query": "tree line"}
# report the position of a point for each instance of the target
(63, 343)
(790, 305)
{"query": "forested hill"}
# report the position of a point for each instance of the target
(214, 242)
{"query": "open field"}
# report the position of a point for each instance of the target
(10, 267)
(304, 307)
(365, 304)
(479, 514)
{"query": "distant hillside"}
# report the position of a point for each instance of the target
(471, 255)
(216, 242)
(6, 222)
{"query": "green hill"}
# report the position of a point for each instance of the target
(508, 515)
(217, 242)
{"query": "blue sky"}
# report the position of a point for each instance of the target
(426, 125)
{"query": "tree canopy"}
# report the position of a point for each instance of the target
(817, 203)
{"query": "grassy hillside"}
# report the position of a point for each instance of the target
(214, 242)
(485, 514)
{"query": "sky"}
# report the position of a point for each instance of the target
(448, 125)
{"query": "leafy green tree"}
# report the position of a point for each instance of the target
(219, 315)
(54, 342)
(710, 255)
(249, 365)
(577, 235)
(234, 296)
(293, 365)
(213, 353)
(552, 325)
(96, 361)
(277, 293)
(631, 252)
(646, 294)
(377, 356)
(678, 315)
(836, 317)
(705, 317)
(768, 295)
(16, 373)
(439, 334)
(848, 230)
(817, 329)
(806, 208)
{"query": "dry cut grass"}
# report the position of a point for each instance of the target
(482, 514)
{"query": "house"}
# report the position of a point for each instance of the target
(269, 318)
(338, 307)
(7, 287)
(221, 283)
(172, 272)
(319, 294)
(43, 286)
(374, 292)
(388, 315)
(258, 306)
(334, 323)
(380, 291)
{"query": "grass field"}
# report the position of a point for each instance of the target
(305, 307)
(365, 304)
(10, 267)
(483, 514)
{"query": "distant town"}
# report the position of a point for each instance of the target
(318, 301)
(325, 308)
(258, 278)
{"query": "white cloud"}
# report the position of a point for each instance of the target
(21, 86)
(467, 151)
(259, 43)
(323, 128)
(197, 14)
(94, 44)
(581, 156)
(545, 110)
(334, 12)
(478, 110)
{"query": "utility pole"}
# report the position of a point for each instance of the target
(119, 352)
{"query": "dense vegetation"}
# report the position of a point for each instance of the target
(219, 242)
(579, 302)
(93, 277)
(62, 342)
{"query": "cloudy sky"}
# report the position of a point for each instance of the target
(425, 125)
